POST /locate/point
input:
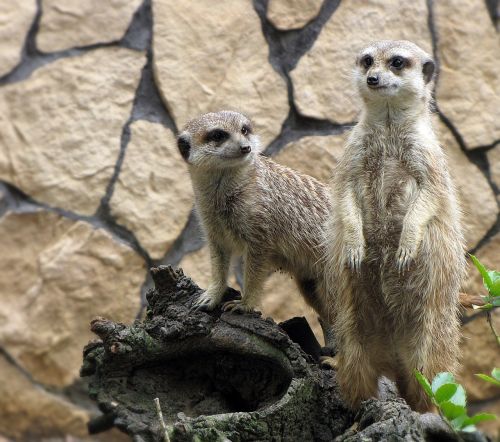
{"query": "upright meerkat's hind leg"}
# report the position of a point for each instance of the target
(356, 374)
(255, 271)
(430, 352)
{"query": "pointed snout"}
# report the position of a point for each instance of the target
(373, 80)
(245, 148)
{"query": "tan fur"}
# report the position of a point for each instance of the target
(395, 248)
(251, 206)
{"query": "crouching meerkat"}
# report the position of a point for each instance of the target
(251, 206)
(394, 243)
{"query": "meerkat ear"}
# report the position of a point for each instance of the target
(184, 146)
(428, 70)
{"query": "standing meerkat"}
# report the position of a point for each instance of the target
(394, 243)
(251, 206)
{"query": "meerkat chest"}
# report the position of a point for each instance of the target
(386, 187)
(222, 210)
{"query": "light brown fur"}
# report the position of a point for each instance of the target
(394, 243)
(251, 206)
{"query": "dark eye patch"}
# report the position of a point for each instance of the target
(217, 136)
(398, 62)
(367, 61)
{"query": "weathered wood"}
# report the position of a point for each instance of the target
(226, 377)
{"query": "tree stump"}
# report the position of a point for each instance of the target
(227, 377)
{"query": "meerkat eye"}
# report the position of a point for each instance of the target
(397, 62)
(367, 61)
(245, 130)
(217, 136)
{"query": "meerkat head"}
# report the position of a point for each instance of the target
(394, 71)
(218, 140)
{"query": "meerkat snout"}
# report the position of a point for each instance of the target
(245, 149)
(372, 80)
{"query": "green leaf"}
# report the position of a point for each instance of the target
(459, 398)
(441, 379)
(482, 269)
(445, 392)
(424, 382)
(480, 417)
(468, 429)
(459, 421)
(489, 379)
(496, 373)
(491, 278)
(452, 411)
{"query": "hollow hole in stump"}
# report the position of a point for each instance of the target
(208, 383)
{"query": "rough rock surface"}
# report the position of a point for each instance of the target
(153, 195)
(468, 90)
(234, 73)
(61, 144)
(57, 274)
(282, 300)
(197, 266)
(494, 162)
(31, 413)
(315, 156)
(292, 14)
(16, 18)
(478, 203)
(322, 81)
(75, 23)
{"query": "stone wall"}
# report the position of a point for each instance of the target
(93, 191)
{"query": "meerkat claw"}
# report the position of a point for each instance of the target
(329, 362)
(236, 306)
(204, 303)
(404, 259)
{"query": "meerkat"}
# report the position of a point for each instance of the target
(395, 251)
(251, 206)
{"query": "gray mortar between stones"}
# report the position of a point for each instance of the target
(285, 50)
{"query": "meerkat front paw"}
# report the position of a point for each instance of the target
(237, 306)
(355, 256)
(207, 301)
(405, 255)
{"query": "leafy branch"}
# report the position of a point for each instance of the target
(491, 281)
(450, 399)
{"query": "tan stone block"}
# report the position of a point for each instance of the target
(480, 354)
(31, 413)
(212, 58)
(476, 197)
(153, 195)
(58, 274)
(196, 265)
(468, 91)
(494, 162)
(60, 129)
(292, 14)
(323, 87)
(282, 300)
(16, 18)
(314, 155)
(75, 23)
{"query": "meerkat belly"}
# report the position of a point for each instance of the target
(386, 190)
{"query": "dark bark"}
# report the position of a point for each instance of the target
(224, 376)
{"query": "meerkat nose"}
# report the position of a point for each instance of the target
(245, 149)
(372, 80)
